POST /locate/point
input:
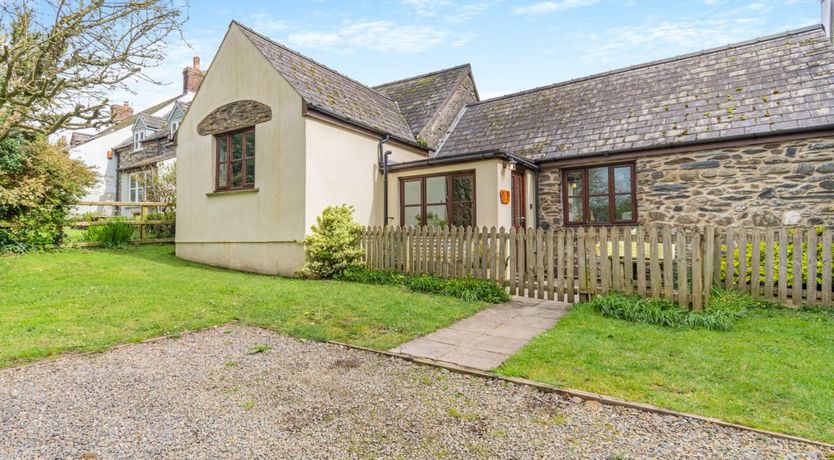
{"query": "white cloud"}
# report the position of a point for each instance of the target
(266, 24)
(447, 10)
(549, 7)
(665, 39)
(384, 36)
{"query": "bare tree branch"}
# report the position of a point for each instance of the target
(60, 58)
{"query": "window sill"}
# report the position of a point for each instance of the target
(243, 191)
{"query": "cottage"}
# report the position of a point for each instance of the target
(739, 135)
(129, 151)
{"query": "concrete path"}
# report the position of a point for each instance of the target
(486, 339)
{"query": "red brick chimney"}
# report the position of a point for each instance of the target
(121, 112)
(192, 76)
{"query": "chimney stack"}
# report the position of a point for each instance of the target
(121, 112)
(828, 17)
(192, 76)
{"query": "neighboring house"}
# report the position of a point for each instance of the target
(128, 152)
(739, 135)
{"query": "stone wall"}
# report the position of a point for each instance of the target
(762, 185)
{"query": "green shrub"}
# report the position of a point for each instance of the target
(471, 289)
(426, 283)
(334, 245)
(363, 275)
(115, 234)
(721, 315)
(38, 185)
(789, 250)
(162, 231)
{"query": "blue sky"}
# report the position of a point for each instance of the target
(512, 45)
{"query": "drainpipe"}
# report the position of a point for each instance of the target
(385, 184)
(538, 217)
(383, 163)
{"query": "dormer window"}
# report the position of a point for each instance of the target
(174, 126)
(138, 137)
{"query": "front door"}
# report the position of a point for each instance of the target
(519, 200)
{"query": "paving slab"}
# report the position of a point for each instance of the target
(487, 338)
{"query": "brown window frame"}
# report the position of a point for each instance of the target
(450, 202)
(586, 196)
(226, 138)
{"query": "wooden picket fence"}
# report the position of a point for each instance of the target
(574, 263)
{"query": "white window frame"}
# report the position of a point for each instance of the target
(138, 137)
(137, 186)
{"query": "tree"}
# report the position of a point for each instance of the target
(38, 185)
(59, 59)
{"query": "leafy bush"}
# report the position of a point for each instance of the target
(471, 289)
(721, 315)
(362, 275)
(468, 289)
(164, 230)
(38, 185)
(789, 250)
(334, 245)
(115, 234)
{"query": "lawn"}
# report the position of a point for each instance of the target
(85, 300)
(774, 370)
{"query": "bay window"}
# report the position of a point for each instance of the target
(600, 195)
(438, 200)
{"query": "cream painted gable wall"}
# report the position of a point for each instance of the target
(342, 167)
(257, 230)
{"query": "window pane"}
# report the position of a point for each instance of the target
(412, 192)
(250, 145)
(237, 146)
(436, 215)
(624, 207)
(221, 149)
(597, 181)
(622, 179)
(599, 209)
(221, 176)
(250, 171)
(436, 190)
(412, 215)
(463, 214)
(462, 189)
(237, 173)
(575, 183)
(576, 209)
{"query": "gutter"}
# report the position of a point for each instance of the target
(320, 109)
(462, 158)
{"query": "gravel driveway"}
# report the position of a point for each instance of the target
(203, 396)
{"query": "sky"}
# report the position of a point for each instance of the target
(511, 45)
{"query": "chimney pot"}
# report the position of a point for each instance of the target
(192, 76)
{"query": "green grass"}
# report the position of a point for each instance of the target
(774, 370)
(88, 300)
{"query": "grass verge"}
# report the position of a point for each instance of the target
(88, 300)
(774, 370)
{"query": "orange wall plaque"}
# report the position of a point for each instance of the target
(505, 196)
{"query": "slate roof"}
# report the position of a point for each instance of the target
(132, 119)
(325, 89)
(420, 97)
(762, 86)
(152, 122)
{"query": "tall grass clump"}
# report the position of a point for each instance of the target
(114, 234)
(724, 309)
(468, 289)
